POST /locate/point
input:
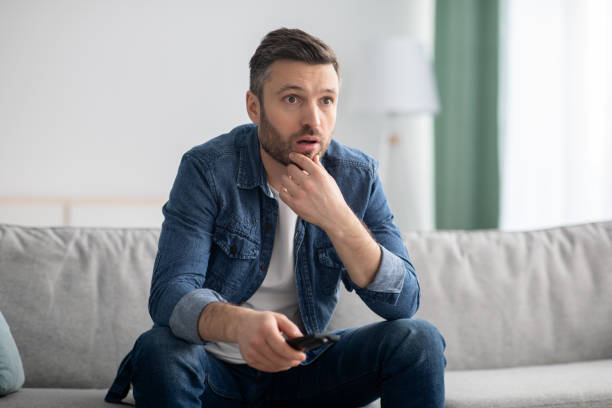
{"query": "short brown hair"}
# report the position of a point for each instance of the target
(289, 44)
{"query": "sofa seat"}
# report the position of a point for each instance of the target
(583, 384)
(58, 398)
(574, 385)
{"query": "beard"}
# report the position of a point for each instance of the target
(273, 143)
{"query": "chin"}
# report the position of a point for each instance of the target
(310, 155)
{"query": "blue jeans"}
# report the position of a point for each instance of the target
(401, 361)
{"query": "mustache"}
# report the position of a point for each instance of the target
(306, 131)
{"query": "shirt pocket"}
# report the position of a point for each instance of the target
(236, 245)
(329, 269)
(233, 257)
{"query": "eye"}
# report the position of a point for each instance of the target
(291, 99)
(327, 100)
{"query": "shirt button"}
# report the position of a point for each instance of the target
(263, 267)
(268, 226)
(233, 249)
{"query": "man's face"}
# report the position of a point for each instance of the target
(298, 110)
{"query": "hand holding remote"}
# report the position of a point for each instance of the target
(312, 341)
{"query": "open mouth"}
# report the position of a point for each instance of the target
(307, 141)
(306, 144)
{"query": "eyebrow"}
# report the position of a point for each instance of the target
(299, 88)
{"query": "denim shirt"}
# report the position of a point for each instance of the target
(218, 233)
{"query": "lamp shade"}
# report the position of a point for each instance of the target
(395, 77)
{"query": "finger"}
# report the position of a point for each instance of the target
(267, 358)
(263, 357)
(278, 351)
(291, 330)
(286, 353)
(318, 162)
(289, 186)
(282, 354)
(259, 363)
(285, 325)
(287, 198)
(297, 171)
(298, 175)
(272, 367)
(284, 194)
(264, 365)
(274, 356)
(303, 162)
(302, 171)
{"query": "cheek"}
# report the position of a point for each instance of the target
(286, 124)
(284, 121)
(330, 119)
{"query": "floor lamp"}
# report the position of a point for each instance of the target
(396, 80)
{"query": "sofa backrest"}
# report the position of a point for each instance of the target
(75, 299)
(505, 299)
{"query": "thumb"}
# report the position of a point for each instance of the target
(288, 327)
(317, 160)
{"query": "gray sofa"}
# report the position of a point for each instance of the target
(527, 316)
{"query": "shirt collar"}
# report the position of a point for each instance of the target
(251, 172)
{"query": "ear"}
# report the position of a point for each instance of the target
(253, 107)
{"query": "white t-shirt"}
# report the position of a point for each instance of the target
(278, 291)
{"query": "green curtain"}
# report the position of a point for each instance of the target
(466, 133)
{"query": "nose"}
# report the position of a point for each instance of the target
(311, 115)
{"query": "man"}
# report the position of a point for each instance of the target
(261, 225)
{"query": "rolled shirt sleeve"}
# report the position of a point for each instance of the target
(390, 275)
(186, 314)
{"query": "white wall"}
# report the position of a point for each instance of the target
(101, 98)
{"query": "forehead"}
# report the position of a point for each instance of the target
(310, 77)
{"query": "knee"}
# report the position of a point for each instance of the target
(159, 350)
(167, 371)
(420, 336)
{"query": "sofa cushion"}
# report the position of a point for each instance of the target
(507, 299)
(585, 384)
(76, 299)
(11, 368)
(59, 398)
